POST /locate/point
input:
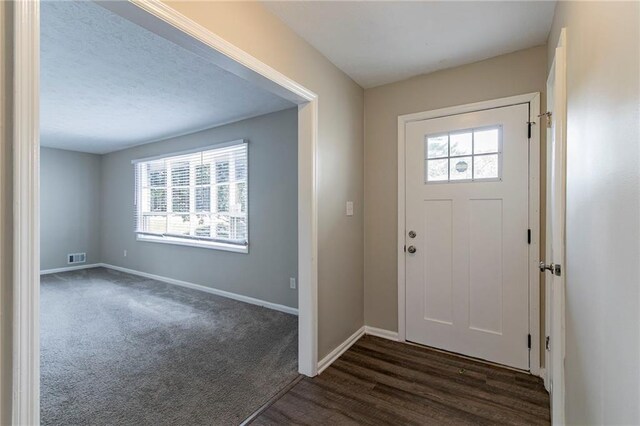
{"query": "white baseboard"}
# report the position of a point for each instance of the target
(337, 352)
(380, 332)
(69, 268)
(344, 346)
(227, 294)
(543, 374)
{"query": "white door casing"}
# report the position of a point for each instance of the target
(467, 284)
(555, 247)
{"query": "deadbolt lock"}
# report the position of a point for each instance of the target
(412, 234)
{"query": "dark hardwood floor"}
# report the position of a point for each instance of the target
(383, 382)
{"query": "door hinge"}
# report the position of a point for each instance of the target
(529, 124)
(547, 345)
(529, 341)
(528, 236)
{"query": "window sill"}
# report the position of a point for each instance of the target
(194, 243)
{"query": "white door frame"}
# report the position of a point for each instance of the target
(557, 85)
(534, 208)
(165, 21)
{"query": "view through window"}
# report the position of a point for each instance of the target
(467, 155)
(197, 198)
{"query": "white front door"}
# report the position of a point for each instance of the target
(467, 187)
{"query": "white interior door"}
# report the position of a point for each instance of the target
(467, 186)
(555, 247)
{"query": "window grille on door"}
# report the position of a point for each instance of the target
(464, 155)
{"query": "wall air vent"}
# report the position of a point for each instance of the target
(76, 258)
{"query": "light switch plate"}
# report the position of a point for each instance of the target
(349, 208)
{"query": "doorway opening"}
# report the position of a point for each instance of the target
(163, 22)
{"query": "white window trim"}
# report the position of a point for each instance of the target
(213, 245)
(190, 241)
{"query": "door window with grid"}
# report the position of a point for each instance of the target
(467, 155)
(196, 198)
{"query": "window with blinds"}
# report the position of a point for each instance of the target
(195, 198)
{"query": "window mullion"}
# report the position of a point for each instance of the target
(169, 195)
(192, 198)
(139, 193)
(214, 198)
(448, 157)
(473, 155)
(232, 194)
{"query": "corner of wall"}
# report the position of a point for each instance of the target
(101, 204)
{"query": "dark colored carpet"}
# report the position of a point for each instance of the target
(121, 349)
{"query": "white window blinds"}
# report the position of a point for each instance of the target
(200, 196)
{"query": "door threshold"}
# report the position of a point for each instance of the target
(271, 401)
(470, 358)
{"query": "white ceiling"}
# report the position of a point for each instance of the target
(381, 42)
(107, 84)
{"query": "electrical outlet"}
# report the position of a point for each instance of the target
(292, 282)
(125, 253)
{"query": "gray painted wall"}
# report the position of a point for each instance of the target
(70, 206)
(273, 207)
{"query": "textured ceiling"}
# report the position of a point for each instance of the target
(107, 84)
(381, 42)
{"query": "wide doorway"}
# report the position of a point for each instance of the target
(468, 235)
(168, 227)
